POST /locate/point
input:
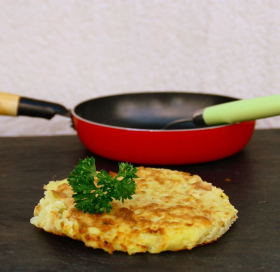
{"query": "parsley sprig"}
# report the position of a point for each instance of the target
(95, 197)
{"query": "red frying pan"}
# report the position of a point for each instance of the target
(129, 127)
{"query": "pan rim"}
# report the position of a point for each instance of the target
(154, 92)
(151, 130)
(73, 113)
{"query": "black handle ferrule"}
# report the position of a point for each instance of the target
(198, 118)
(38, 108)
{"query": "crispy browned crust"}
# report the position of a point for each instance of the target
(171, 210)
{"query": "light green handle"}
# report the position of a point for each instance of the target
(242, 110)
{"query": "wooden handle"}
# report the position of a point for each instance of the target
(9, 104)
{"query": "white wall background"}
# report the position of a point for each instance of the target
(68, 51)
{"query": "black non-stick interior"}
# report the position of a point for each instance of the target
(146, 110)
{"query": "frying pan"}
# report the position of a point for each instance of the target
(128, 127)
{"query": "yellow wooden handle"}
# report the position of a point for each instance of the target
(9, 104)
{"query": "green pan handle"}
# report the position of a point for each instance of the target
(242, 110)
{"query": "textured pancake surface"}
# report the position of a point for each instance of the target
(170, 210)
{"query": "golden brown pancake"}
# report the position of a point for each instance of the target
(171, 210)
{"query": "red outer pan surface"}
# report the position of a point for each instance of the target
(161, 147)
(164, 147)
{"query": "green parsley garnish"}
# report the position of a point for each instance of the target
(96, 197)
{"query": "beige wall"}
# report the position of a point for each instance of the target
(68, 51)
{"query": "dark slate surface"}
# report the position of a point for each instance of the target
(252, 244)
